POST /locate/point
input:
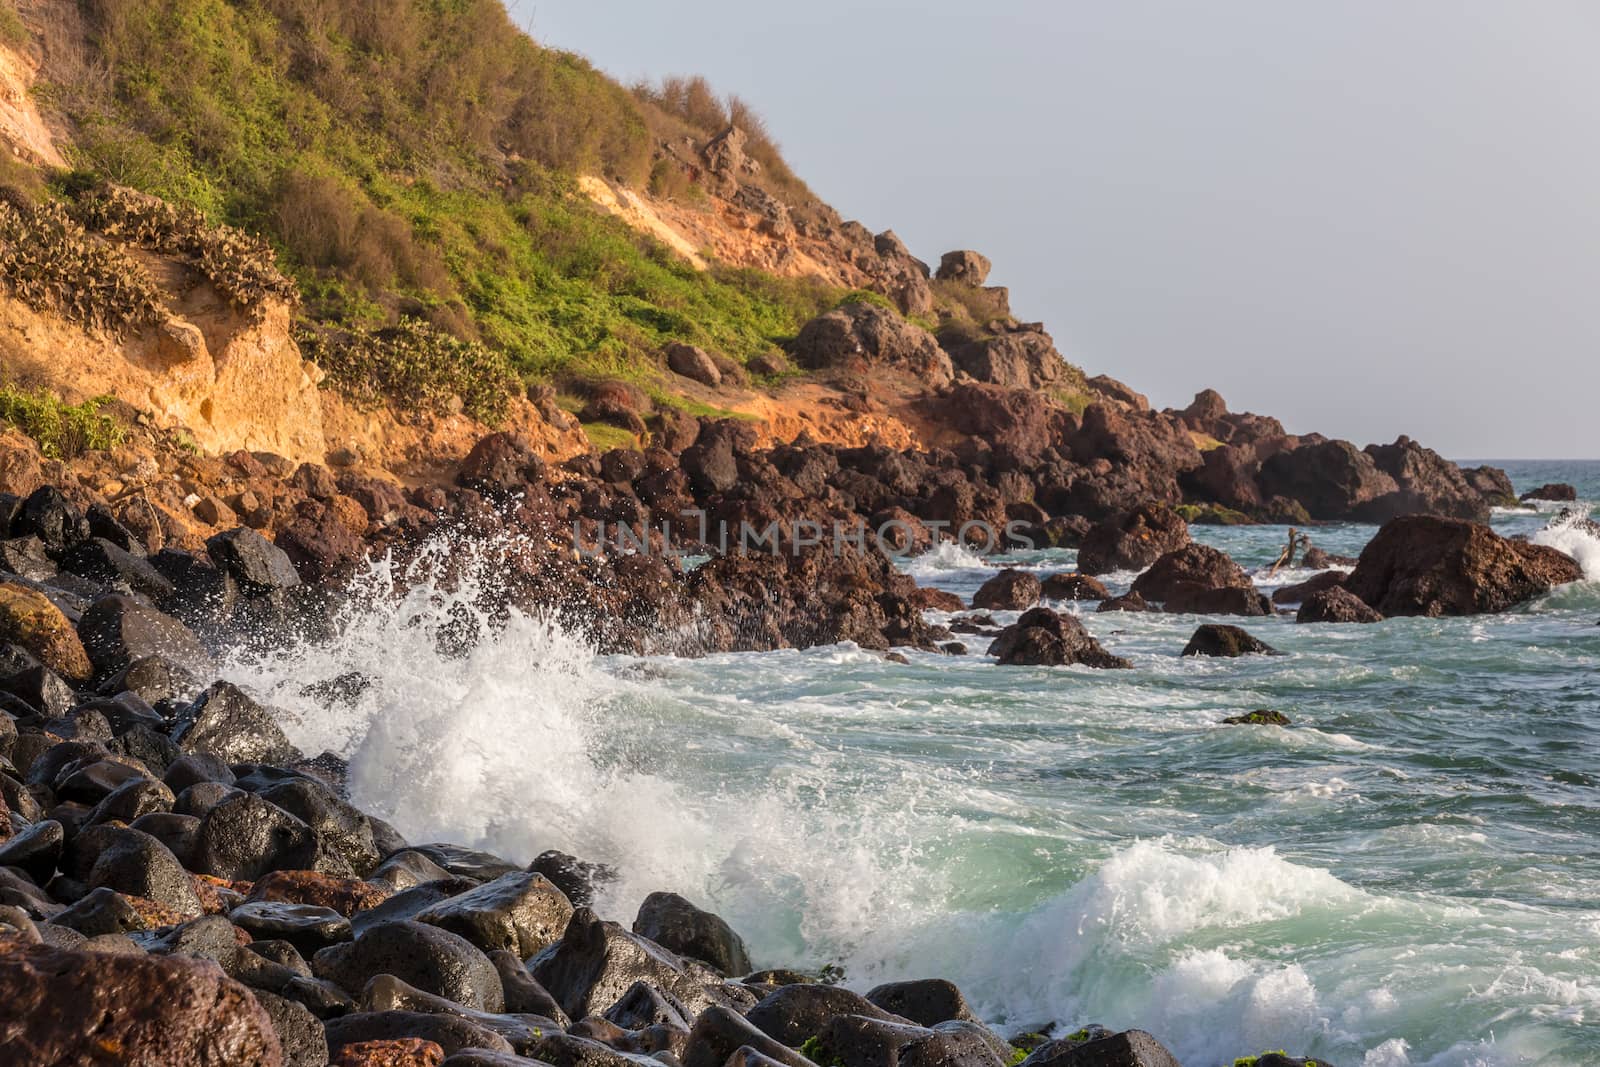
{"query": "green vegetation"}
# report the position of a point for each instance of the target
(1212, 515)
(49, 262)
(12, 31)
(813, 1050)
(604, 436)
(1016, 1057)
(414, 366)
(63, 431)
(411, 160)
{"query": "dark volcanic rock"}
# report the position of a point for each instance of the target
(226, 723)
(862, 1041)
(66, 1007)
(520, 911)
(793, 1013)
(1554, 491)
(1297, 594)
(596, 962)
(1189, 599)
(259, 566)
(1215, 640)
(1042, 637)
(1420, 565)
(1336, 604)
(448, 1032)
(1127, 602)
(1010, 590)
(673, 923)
(136, 864)
(1260, 717)
(1132, 540)
(434, 960)
(927, 1001)
(116, 630)
(720, 1032)
(244, 837)
(1131, 1048)
(577, 879)
(305, 926)
(1333, 479)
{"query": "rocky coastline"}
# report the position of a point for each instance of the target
(180, 885)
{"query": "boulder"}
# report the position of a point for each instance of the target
(596, 962)
(1206, 406)
(862, 1041)
(1132, 540)
(793, 1013)
(136, 864)
(305, 926)
(225, 723)
(52, 518)
(1421, 565)
(346, 896)
(1073, 586)
(1109, 388)
(1193, 567)
(577, 879)
(501, 465)
(1131, 1048)
(30, 621)
(1126, 602)
(926, 1001)
(259, 566)
(107, 564)
(1333, 479)
(1228, 641)
(1190, 599)
(65, 1007)
(1336, 604)
(1042, 637)
(446, 1033)
(1428, 484)
(1259, 717)
(693, 363)
(964, 266)
(433, 960)
(243, 837)
(522, 912)
(117, 630)
(1559, 491)
(1010, 590)
(299, 1031)
(1018, 423)
(673, 923)
(1297, 593)
(865, 335)
(1016, 359)
(720, 1032)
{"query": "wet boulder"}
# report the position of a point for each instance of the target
(720, 1032)
(1186, 599)
(926, 1001)
(31, 622)
(299, 1031)
(1558, 491)
(243, 837)
(1041, 637)
(1226, 641)
(672, 922)
(446, 1032)
(1259, 717)
(1073, 586)
(256, 564)
(66, 1007)
(525, 996)
(1010, 590)
(1420, 565)
(345, 896)
(1336, 604)
(520, 911)
(52, 518)
(862, 1041)
(501, 465)
(433, 960)
(117, 630)
(344, 833)
(305, 926)
(226, 723)
(1193, 567)
(110, 565)
(385, 992)
(1126, 602)
(1299, 592)
(1332, 479)
(137, 864)
(1131, 1048)
(1132, 540)
(596, 962)
(794, 1013)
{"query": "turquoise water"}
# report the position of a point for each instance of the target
(1407, 875)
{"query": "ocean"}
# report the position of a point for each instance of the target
(1407, 875)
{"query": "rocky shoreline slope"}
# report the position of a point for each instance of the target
(180, 885)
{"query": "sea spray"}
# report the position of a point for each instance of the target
(947, 818)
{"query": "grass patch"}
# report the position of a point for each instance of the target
(604, 437)
(12, 31)
(62, 430)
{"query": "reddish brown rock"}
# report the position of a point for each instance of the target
(1336, 604)
(344, 895)
(1010, 590)
(931, 599)
(64, 1008)
(1044, 638)
(394, 1052)
(1297, 594)
(1073, 586)
(1194, 566)
(1420, 565)
(1132, 540)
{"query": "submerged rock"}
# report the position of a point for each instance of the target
(1336, 604)
(1044, 638)
(1010, 590)
(1260, 717)
(1217, 640)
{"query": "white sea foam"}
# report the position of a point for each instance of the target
(818, 850)
(1574, 536)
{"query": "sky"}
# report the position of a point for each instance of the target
(1368, 218)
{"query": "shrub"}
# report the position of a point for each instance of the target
(49, 262)
(63, 431)
(12, 31)
(243, 268)
(414, 366)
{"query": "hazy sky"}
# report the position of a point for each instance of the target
(1367, 217)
